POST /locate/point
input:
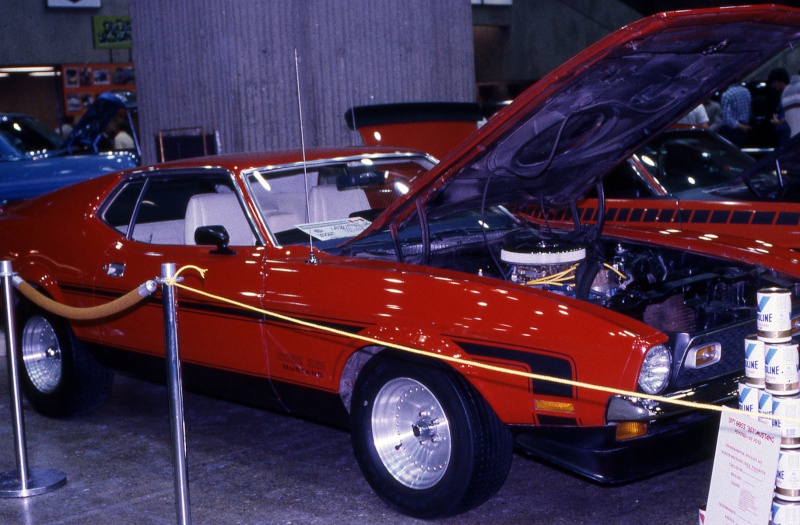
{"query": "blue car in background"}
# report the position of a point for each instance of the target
(35, 160)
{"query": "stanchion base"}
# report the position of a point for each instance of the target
(40, 480)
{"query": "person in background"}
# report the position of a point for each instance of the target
(119, 131)
(777, 80)
(696, 117)
(66, 126)
(714, 112)
(791, 104)
(736, 102)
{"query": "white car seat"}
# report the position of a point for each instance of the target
(326, 202)
(210, 209)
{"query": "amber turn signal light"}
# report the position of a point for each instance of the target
(630, 430)
(554, 406)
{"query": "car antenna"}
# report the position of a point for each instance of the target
(312, 259)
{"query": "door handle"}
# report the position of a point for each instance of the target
(115, 270)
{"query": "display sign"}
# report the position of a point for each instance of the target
(745, 467)
(74, 3)
(337, 229)
(83, 82)
(111, 32)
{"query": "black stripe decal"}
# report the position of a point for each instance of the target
(720, 216)
(763, 217)
(537, 363)
(228, 311)
(741, 217)
(787, 218)
(666, 215)
(556, 420)
(700, 216)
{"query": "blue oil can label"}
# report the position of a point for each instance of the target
(788, 408)
(748, 398)
(754, 360)
(774, 321)
(785, 512)
(781, 368)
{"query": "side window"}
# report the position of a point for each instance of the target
(120, 212)
(169, 210)
(161, 213)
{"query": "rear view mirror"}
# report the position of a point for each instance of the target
(358, 179)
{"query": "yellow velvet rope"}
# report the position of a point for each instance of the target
(85, 314)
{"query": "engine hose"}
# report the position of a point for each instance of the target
(84, 314)
(585, 275)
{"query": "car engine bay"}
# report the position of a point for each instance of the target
(670, 290)
(666, 289)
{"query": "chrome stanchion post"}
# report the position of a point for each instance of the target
(175, 390)
(24, 481)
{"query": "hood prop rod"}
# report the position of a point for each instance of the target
(425, 232)
(601, 208)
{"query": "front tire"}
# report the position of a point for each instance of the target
(58, 375)
(426, 441)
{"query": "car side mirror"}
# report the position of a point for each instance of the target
(214, 235)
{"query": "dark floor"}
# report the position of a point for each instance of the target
(250, 466)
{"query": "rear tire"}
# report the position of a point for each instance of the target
(426, 441)
(59, 377)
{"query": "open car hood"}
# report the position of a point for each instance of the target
(562, 135)
(93, 123)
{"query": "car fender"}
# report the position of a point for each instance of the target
(493, 386)
(499, 371)
(38, 276)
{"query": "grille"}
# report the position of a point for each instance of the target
(732, 360)
(671, 315)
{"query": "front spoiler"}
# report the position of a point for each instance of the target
(676, 436)
(595, 453)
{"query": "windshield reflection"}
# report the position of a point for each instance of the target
(686, 160)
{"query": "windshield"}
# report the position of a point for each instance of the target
(686, 160)
(27, 135)
(333, 200)
(764, 183)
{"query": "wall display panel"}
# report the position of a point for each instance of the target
(111, 32)
(83, 82)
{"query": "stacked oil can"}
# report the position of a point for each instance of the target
(772, 384)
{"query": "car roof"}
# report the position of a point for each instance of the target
(251, 160)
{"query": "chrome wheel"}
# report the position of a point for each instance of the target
(41, 354)
(427, 442)
(411, 433)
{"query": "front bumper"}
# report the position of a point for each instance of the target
(676, 436)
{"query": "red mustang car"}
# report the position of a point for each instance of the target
(380, 252)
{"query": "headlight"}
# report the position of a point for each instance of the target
(655, 370)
